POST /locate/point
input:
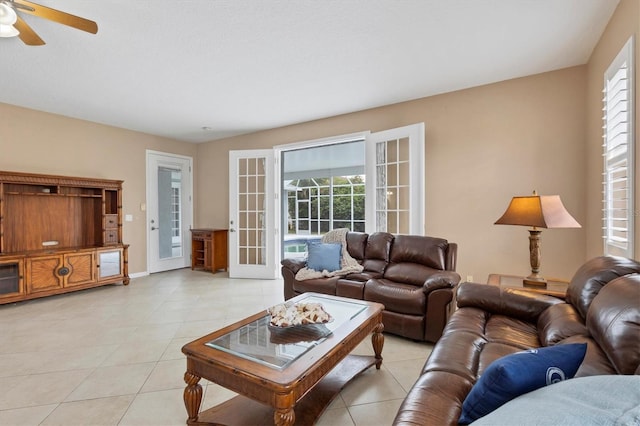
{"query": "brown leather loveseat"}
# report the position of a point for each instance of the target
(412, 276)
(602, 309)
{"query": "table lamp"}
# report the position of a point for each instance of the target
(537, 211)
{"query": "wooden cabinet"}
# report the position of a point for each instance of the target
(54, 231)
(209, 249)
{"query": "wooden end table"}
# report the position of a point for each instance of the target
(282, 376)
(554, 287)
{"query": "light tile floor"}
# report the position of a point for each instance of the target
(111, 355)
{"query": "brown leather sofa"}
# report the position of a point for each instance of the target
(412, 276)
(602, 309)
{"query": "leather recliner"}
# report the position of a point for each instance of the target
(412, 276)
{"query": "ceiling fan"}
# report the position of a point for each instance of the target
(12, 25)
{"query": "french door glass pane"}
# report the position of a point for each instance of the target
(251, 204)
(169, 213)
(392, 186)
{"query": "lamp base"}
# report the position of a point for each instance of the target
(535, 281)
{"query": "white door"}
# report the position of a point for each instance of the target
(169, 211)
(252, 228)
(395, 176)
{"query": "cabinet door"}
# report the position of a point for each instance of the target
(11, 282)
(82, 267)
(220, 250)
(110, 264)
(42, 273)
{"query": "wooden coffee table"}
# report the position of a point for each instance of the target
(282, 376)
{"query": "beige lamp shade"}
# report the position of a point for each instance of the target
(539, 211)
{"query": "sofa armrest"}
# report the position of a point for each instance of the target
(511, 302)
(293, 264)
(441, 279)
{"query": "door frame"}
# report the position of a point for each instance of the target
(150, 196)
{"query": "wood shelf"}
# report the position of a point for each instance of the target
(48, 194)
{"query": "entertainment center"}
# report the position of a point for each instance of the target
(59, 234)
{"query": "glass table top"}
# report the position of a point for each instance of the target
(278, 347)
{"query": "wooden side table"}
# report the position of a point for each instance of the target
(555, 287)
(209, 249)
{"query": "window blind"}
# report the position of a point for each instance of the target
(618, 179)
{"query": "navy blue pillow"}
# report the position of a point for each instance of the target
(520, 373)
(324, 256)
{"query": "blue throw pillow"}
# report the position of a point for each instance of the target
(324, 256)
(520, 373)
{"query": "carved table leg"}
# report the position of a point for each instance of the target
(284, 417)
(377, 339)
(192, 396)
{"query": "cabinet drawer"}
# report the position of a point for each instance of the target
(111, 236)
(110, 221)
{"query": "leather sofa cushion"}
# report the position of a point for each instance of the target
(435, 399)
(471, 320)
(559, 322)
(512, 331)
(318, 285)
(353, 289)
(593, 275)
(409, 326)
(410, 273)
(595, 361)
(377, 252)
(356, 243)
(363, 276)
(614, 322)
(396, 297)
(459, 354)
(427, 251)
(477, 338)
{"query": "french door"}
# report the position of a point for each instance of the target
(169, 211)
(394, 190)
(252, 249)
(395, 176)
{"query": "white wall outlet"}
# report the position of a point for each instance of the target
(470, 278)
(128, 218)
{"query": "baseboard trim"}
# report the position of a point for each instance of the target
(139, 274)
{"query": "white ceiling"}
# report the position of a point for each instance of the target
(170, 68)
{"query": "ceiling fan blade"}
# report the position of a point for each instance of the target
(27, 35)
(58, 16)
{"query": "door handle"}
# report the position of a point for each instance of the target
(153, 228)
(232, 230)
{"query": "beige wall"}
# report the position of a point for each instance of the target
(38, 142)
(624, 23)
(483, 146)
